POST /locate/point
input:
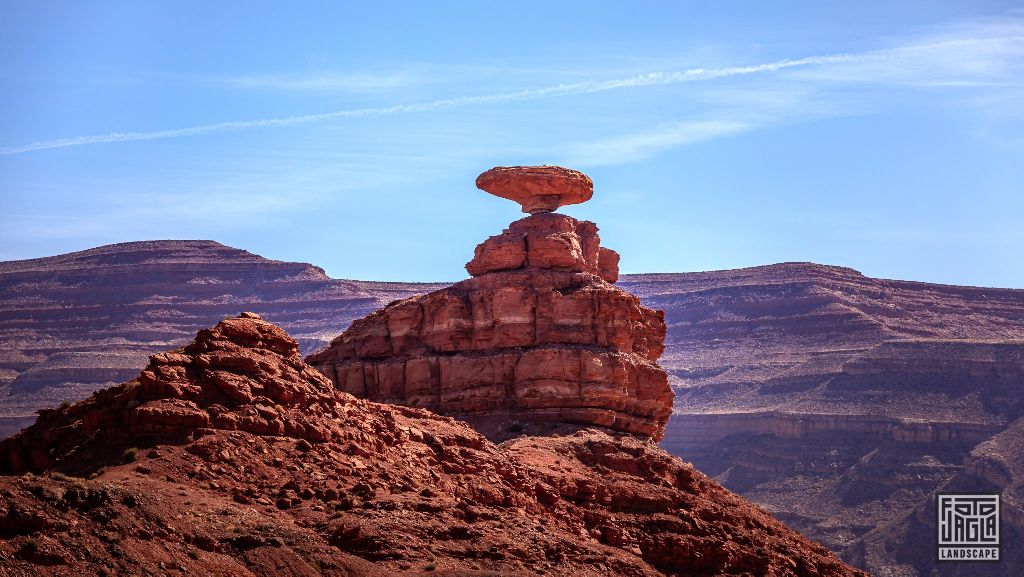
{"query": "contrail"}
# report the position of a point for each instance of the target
(588, 87)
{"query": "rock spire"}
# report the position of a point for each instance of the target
(538, 340)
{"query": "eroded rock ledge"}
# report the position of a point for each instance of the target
(696, 430)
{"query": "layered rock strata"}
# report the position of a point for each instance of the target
(538, 335)
(842, 403)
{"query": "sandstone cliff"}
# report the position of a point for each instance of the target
(231, 456)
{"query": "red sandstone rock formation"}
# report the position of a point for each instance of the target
(231, 456)
(799, 371)
(537, 188)
(539, 335)
(546, 241)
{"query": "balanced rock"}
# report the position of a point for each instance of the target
(538, 340)
(537, 188)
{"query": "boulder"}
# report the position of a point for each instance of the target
(537, 188)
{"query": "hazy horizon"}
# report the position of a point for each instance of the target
(465, 275)
(877, 137)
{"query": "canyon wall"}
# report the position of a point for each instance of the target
(842, 402)
(689, 432)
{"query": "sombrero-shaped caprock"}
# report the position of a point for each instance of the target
(537, 188)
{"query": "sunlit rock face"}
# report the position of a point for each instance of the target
(539, 340)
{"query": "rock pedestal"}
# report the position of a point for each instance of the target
(537, 339)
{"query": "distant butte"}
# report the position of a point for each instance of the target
(537, 188)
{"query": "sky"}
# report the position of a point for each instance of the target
(883, 136)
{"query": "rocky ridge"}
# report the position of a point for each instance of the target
(75, 323)
(538, 338)
(231, 456)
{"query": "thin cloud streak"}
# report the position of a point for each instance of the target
(321, 82)
(588, 87)
(641, 145)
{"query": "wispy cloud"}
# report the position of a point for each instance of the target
(318, 81)
(639, 145)
(957, 58)
(995, 62)
(912, 52)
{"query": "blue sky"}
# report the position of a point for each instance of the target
(884, 136)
